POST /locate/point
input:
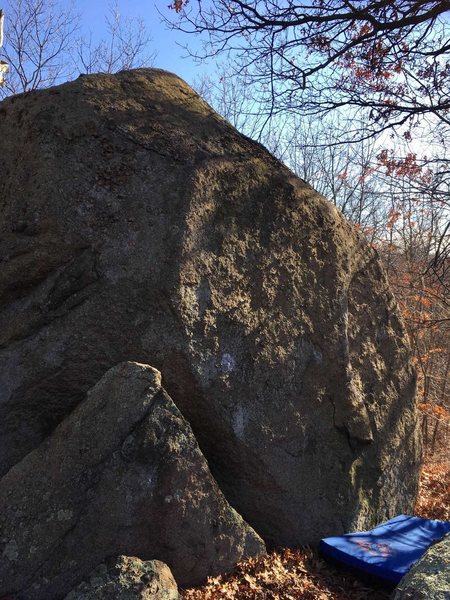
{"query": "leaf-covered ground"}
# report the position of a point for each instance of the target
(302, 575)
(434, 495)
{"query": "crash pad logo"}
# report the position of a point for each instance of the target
(374, 548)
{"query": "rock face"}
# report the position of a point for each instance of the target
(122, 474)
(127, 578)
(429, 578)
(138, 225)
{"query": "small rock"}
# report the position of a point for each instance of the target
(127, 578)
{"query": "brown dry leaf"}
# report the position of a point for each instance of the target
(251, 581)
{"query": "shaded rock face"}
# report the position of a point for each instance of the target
(429, 578)
(138, 225)
(127, 578)
(122, 474)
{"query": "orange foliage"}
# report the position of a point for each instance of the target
(405, 167)
(178, 5)
(432, 409)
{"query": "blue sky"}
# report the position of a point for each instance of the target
(169, 54)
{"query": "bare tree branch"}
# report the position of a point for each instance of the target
(388, 57)
(125, 48)
(38, 41)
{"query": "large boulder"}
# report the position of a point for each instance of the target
(429, 578)
(139, 225)
(122, 474)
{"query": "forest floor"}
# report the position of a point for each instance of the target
(303, 575)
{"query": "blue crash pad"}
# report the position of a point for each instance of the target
(388, 551)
